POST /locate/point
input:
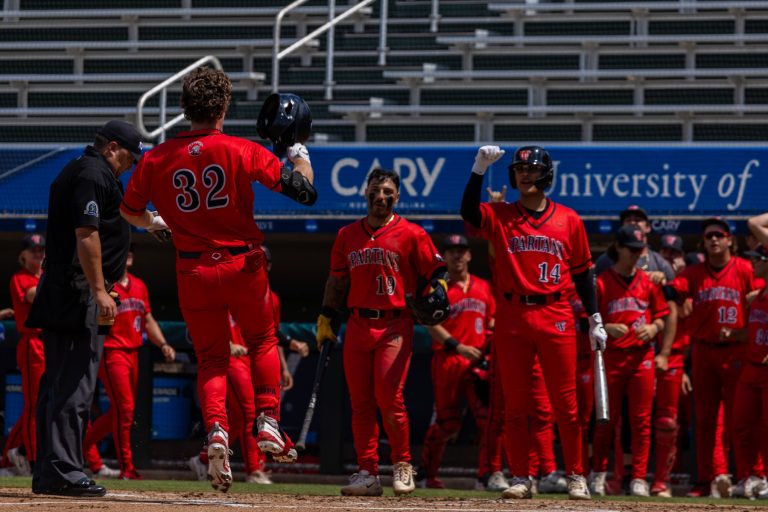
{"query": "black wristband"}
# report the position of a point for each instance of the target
(451, 344)
(328, 311)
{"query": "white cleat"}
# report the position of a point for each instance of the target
(362, 484)
(107, 472)
(639, 487)
(219, 472)
(497, 482)
(519, 489)
(750, 487)
(722, 485)
(577, 488)
(20, 462)
(402, 478)
(272, 439)
(198, 467)
(259, 477)
(598, 483)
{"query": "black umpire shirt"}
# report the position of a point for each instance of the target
(87, 193)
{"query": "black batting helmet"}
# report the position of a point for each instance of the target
(533, 155)
(284, 119)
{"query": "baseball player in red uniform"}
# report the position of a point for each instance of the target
(20, 445)
(634, 310)
(585, 374)
(719, 288)
(119, 371)
(750, 409)
(669, 379)
(200, 182)
(375, 262)
(459, 343)
(541, 248)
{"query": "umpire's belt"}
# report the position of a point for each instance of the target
(376, 314)
(234, 251)
(533, 300)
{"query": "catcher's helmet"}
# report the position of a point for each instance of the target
(284, 119)
(533, 155)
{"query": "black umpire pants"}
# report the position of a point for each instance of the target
(64, 402)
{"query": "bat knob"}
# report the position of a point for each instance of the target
(300, 446)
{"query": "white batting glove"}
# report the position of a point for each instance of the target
(298, 150)
(486, 156)
(159, 229)
(597, 334)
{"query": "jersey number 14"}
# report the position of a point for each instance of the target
(545, 275)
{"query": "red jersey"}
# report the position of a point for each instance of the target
(21, 282)
(471, 312)
(633, 304)
(200, 183)
(130, 320)
(758, 329)
(383, 264)
(275, 308)
(535, 256)
(719, 297)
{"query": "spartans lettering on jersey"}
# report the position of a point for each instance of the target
(538, 243)
(718, 293)
(374, 256)
(627, 304)
(468, 304)
(131, 304)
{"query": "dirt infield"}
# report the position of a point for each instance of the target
(124, 501)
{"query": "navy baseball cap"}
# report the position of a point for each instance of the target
(455, 240)
(716, 221)
(759, 252)
(692, 258)
(124, 134)
(630, 236)
(32, 241)
(633, 210)
(672, 242)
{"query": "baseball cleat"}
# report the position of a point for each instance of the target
(219, 472)
(259, 477)
(198, 467)
(272, 439)
(497, 482)
(363, 484)
(577, 488)
(661, 490)
(639, 487)
(519, 489)
(5, 472)
(598, 483)
(434, 483)
(749, 487)
(553, 483)
(20, 462)
(402, 478)
(721, 484)
(107, 472)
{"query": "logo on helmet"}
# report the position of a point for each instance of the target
(524, 154)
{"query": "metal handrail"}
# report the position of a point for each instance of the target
(278, 55)
(162, 88)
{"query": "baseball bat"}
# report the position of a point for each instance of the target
(602, 407)
(322, 364)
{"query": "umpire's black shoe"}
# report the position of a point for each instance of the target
(84, 488)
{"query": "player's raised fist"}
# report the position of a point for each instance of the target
(486, 156)
(296, 151)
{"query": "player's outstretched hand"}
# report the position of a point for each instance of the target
(472, 354)
(486, 156)
(597, 334)
(299, 347)
(297, 151)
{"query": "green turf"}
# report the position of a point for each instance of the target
(333, 490)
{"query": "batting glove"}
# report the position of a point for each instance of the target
(597, 334)
(486, 156)
(159, 229)
(298, 150)
(324, 331)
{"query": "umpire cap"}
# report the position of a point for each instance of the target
(124, 134)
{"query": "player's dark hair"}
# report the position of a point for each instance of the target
(379, 175)
(205, 95)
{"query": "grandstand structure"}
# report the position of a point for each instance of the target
(416, 70)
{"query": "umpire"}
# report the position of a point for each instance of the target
(86, 253)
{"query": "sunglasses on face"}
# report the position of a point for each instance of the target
(715, 234)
